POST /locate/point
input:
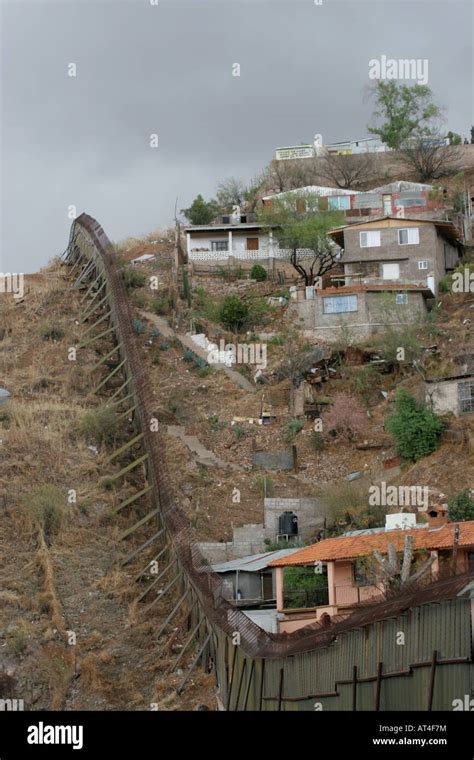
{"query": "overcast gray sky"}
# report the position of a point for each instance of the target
(167, 69)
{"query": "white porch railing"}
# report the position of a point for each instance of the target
(275, 253)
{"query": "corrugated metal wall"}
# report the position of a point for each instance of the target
(323, 679)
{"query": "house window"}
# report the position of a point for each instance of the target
(370, 239)
(422, 265)
(466, 396)
(339, 304)
(391, 271)
(340, 202)
(219, 245)
(401, 298)
(408, 236)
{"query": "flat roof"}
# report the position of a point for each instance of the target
(235, 226)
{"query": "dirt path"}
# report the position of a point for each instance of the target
(203, 456)
(187, 341)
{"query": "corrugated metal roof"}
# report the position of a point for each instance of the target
(253, 563)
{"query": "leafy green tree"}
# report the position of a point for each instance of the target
(234, 313)
(454, 138)
(201, 211)
(302, 227)
(461, 507)
(415, 427)
(406, 111)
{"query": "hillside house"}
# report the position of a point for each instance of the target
(348, 564)
(391, 250)
(401, 199)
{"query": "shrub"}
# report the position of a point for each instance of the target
(155, 333)
(186, 288)
(161, 305)
(51, 331)
(277, 340)
(132, 278)
(155, 359)
(138, 326)
(364, 381)
(316, 440)
(293, 427)
(234, 313)
(346, 417)
(204, 371)
(445, 284)
(415, 427)
(215, 424)
(164, 346)
(258, 273)
(101, 426)
(17, 641)
(206, 306)
(188, 356)
(239, 432)
(139, 300)
(45, 507)
(461, 507)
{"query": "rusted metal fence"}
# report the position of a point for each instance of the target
(352, 664)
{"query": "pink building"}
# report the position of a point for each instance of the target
(346, 559)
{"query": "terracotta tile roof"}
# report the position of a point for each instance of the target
(399, 287)
(348, 547)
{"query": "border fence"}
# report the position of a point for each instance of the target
(355, 663)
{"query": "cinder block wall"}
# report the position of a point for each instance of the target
(309, 512)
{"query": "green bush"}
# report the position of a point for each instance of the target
(164, 346)
(364, 381)
(138, 326)
(204, 371)
(293, 427)
(46, 508)
(415, 427)
(239, 432)
(101, 426)
(132, 278)
(258, 273)
(206, 306)
(215, 424)
(234, 313)
(316, 440)
(461, 507)
(445, 284)
(161, 305)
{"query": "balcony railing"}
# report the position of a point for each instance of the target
(262, 253)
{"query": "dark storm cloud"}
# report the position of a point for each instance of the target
(168, 69)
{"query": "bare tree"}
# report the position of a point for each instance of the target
(348, 171)
(429, 158)
(396, 574)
